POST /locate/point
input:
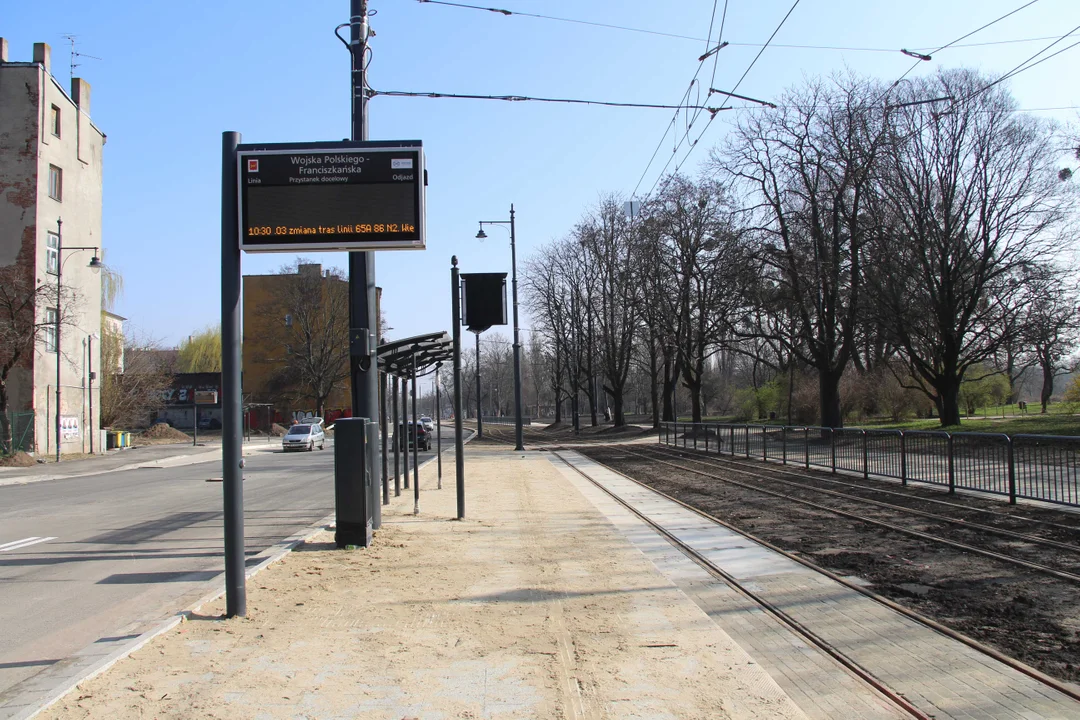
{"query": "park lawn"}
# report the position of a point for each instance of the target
(1056, 422)
(1030, 424)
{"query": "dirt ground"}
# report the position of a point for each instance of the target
(533, 607)
(1029, 616)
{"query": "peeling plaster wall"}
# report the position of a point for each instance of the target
(28, 214)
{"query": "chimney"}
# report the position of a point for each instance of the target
(3, 50)
(42, 55)
(80, 93)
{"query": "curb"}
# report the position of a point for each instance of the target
(43, 691)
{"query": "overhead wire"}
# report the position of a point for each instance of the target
(675, 117)
(723, 106)
(677, 36)
(529, 98)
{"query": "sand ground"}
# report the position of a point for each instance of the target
(533, 607)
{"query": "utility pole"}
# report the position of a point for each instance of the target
(363, 368)
(479, 408)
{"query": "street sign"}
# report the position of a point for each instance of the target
(484, 296)
(206, 397)
(331, 196)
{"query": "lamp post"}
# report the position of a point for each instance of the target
(519, 444)
(90, 377)
(95, 264)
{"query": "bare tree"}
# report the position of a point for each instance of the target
(133, 397)
(22, 325)
(970, 194)
(1051, 323)
(810, 167)
(308, 324)
(606, 241)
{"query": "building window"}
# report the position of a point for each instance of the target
(50, 329)
(55, 121)
(56, 183)
(52, 254)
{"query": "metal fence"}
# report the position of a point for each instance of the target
(1036, 467)
(22, 431)
(500, 420)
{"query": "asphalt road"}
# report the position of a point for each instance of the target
(95, 557)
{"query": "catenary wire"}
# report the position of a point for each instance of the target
(528, 98)
(724, 104)
(645, 31)
(675, 117)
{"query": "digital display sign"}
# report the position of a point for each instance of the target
(331, 196)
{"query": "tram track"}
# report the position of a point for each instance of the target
(865, 674)
(664, 457)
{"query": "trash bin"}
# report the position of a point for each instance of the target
(111, 440)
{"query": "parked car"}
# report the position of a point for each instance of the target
(304, 436)
(417, 433)
(207, 422)
(429, 424)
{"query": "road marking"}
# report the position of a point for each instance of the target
(25, 542)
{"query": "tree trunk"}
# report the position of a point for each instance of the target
(948, 401)
(617, 403)
(695, 401)
(1048, 385)
(654, 384)
(669, 391)
(829, 389)
(5, 424)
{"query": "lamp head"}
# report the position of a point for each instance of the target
(95, 263)
(481, 235)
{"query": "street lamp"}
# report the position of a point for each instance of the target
(520, 445)
(95, 265)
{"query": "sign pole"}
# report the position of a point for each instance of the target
(232, 461)
(438, 424)
(416, 442)
(364, 370)
(459, 443)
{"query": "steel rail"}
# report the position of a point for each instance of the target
(1034, 539)
(1060, 574)
(1064, 688)
(785, 469)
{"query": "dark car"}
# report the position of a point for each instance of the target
(417, 433)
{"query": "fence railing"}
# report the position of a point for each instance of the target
(22, 432)
(499, 420)
(1036, 467)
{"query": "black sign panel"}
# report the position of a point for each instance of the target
(332, 196)
(484, 300)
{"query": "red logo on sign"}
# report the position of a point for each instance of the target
(253, 166)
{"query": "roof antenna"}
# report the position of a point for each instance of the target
(75, 54)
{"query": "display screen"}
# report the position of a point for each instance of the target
(331, 198)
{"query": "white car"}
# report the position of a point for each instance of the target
(429, 424)
(304, 436)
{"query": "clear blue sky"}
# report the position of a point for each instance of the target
(173, 76)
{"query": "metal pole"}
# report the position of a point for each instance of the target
(459, 442)
(438, 424)
(479, 411)
(195, 423)
(59, 293)
(232, 461)
(518, 435)
(397, 440)
(364, 369)
(416, 442)
(90, 384)
(405, 427)
(383, 389)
